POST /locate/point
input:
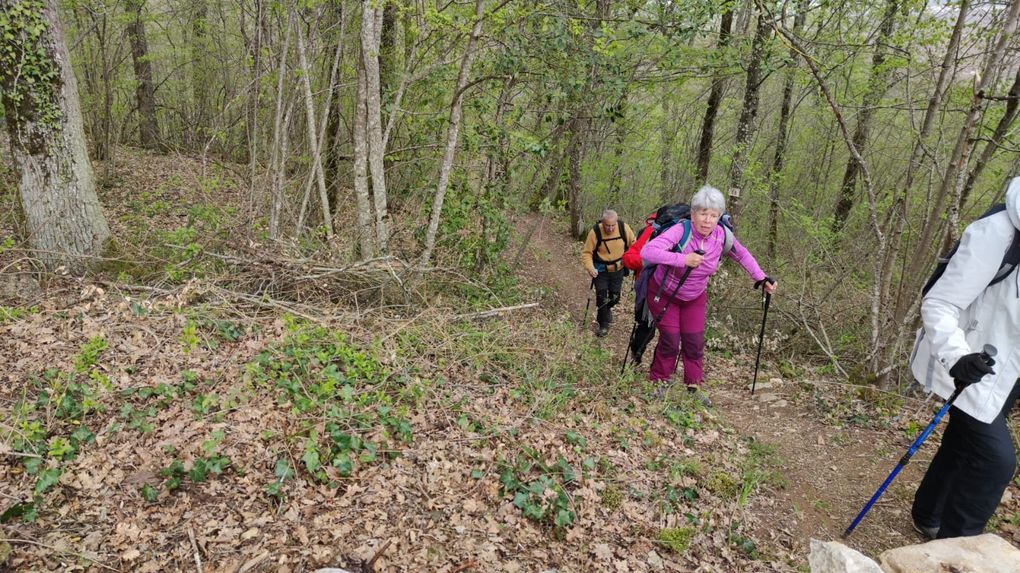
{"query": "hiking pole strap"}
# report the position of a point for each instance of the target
(903, 462)
(676, 289)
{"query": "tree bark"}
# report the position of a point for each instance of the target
(456, 108)
(64, 220)
(992, 145)
(778, 159)
(313, 137)
(872, 96)
(279, 133)
(372, 19)
(714, 100)
(365, 233)
(201, 79)
(145, 91)
(745, 127)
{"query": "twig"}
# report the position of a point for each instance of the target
(465, 566)
(495, 311)
(369, 566)
(194, 545)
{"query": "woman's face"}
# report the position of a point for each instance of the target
(705, 220)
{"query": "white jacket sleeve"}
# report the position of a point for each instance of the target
(968, 273)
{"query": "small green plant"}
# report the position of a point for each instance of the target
(722, 484)
(539, 490)
(676, 539)
(612, 498)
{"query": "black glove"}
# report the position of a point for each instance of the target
(971, 368)
(767, 279)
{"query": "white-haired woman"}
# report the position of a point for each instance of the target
(681, 303)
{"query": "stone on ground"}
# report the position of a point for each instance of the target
(834, 557)
(986, 553)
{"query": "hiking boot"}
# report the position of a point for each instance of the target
(929, 533)
(699, 395)
(602, 331)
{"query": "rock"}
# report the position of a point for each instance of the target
(780, 404)
(775, 381)
(986, 553)
(760, 385)
(768, 397)
(834, 557)
(655, 562)
(331, 570)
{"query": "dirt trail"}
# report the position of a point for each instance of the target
(831, 467)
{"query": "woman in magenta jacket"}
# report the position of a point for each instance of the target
(682, 326)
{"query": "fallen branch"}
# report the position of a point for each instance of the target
(495, 311)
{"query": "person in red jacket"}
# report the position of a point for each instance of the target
(643, 332)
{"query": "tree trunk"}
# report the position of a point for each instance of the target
(145, 91)
(200, 74)
(872, 96)
(456, 108)
(313, 137)
(575, 149)
(372, 19)
(917, 261)
(714, 100)
(64, 219)
(745, 127)
(254, 47)
(1005, 122)
(778, 159)
(277, 159)
(365, 233)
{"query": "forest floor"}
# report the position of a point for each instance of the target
(183, 410)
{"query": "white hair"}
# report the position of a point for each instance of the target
(709, 197)
(609, 214)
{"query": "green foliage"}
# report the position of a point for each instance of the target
(676, 539)
(539, 490)
(30, 87)
(321, 376)
(12, 313)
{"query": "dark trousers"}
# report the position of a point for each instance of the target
(607, 295)
(643, 334)
(965, 481)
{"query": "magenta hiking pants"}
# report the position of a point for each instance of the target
(681, 330)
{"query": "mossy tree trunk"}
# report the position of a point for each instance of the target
(65, 222)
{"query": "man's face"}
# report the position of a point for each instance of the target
(609, 226)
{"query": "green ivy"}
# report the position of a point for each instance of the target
(30, 87)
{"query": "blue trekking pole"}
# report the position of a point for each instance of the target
(986, 354)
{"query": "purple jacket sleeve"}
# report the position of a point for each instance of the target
(741, 255)
(658, 251)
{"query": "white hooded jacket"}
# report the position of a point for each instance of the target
(961, 313)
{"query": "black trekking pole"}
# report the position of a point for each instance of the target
(986, 354)
(766, 299)
(584, 318)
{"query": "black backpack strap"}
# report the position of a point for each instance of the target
(598, 242)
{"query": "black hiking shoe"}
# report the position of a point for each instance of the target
(927, 532)
(602, 331)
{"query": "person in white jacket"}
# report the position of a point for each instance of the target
(968, 307)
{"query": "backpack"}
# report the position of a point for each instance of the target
(1009, 261)
(665, 217)
(595, 258)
